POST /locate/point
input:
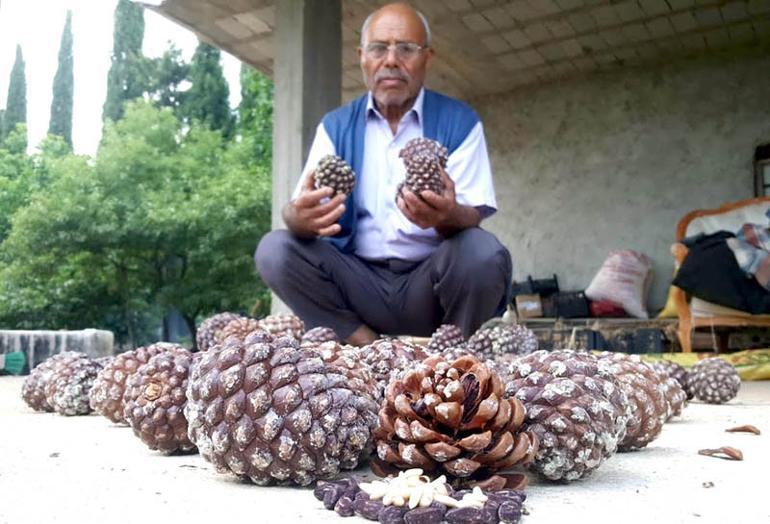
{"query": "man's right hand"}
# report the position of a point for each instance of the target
(307, 217)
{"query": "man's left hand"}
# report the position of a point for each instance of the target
(432, 210)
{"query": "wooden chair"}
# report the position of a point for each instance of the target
(729, 217)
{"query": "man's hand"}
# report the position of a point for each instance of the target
(307, 217)
(430, 210)
(441, 212)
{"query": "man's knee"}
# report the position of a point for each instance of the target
(477, 251)
(272, 254)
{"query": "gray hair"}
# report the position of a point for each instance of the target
(421, 16)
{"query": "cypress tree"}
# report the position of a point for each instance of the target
(16, 103)
(127, 77)
(207, 100)
(61, 105)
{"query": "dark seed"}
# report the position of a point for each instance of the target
(369, 509)
(507, 495)
(464, 516)
(391, 515)
(439, 506)
(509, 512)
(320, 491)
(492, 503)
(332, 495)
(344, 507)
(429, 515)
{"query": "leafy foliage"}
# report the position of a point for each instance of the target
(61, 104)
(256, 117)
(160, 219)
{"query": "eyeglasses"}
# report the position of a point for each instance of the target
(405, 51)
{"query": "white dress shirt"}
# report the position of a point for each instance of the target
(382, 230)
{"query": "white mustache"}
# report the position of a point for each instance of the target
(391, 74)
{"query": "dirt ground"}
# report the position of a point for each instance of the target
(87, 470)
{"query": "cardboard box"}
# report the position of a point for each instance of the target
(529, 306)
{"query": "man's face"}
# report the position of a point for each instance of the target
(393, 79)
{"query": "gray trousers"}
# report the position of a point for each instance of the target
(464, 282)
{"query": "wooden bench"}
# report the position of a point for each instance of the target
(699, 313)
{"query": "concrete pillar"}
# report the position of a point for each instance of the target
(307, 73)
(308, 83)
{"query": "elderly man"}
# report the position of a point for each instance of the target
(373, 263)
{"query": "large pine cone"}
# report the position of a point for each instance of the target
(714, 381)
(320, 334)
(424, 158)
(286, 325)
(642, 385)
(494, 342)
(446, 336)
(676, 398)
(69, 384)
(206, 335)
(155, 400)
(451, 418)
(332, 171)
(577, 410)
(106, 395)
(348, 361)
(387, 358)
(239, 328)
(33, 388)
(677, 372)
(268, 410)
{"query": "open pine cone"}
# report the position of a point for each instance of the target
(33, 388)
(205, 336)
(644, 390)
(577, 410)
(155, 399)
(69, 384)
(714, 381)
(267, 410)
(450, 417)
(106, 395)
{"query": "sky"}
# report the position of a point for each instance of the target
(37, 26)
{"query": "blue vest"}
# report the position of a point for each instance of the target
(444, 119)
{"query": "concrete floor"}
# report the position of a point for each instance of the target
(84, 470)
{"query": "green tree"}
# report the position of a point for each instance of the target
(160, 219)
(255, 116)
(61, 104)
(128, 75)
(207, 100)
(16, 103)
(168, 72)
(16, 177)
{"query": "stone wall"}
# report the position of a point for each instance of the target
(615, 160)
